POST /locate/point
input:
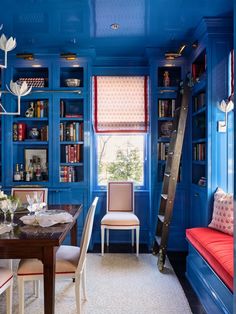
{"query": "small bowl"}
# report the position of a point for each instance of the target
(72, 82)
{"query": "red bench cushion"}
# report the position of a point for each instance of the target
(217, 249)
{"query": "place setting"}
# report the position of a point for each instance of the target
(39, 215)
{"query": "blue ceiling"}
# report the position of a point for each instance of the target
(55, 26)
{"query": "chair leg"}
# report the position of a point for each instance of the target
(78, 294)
(36, 284)
(21, 295)
(9, 298)
(102, 239)
(107, 231)
(137, 240)
(132, 236)
(84, 282)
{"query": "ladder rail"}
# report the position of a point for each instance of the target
(169, 184)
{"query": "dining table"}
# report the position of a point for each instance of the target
(34, 241)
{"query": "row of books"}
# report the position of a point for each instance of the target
(68, 174)
(166, 108)
(20, 133)
(199, 101)
(68, 110)
(71, 131)
(199, 151)
(163, 150)
(72, 153)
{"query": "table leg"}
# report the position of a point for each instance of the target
(73, 235)
(49, 260)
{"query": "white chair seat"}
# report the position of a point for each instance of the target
(67, 259)
(120, 219)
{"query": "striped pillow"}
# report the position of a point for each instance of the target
(223, 212)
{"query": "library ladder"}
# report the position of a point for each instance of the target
(170, 179)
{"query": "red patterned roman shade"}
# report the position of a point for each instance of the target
(120, 104)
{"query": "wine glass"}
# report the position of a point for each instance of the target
(30, 201)
(12, 206)
(38, 197)
(4, 209)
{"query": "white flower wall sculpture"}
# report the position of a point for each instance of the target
(226, 107)
(6, 45)
(19, 90)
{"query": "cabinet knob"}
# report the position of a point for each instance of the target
(196, 194)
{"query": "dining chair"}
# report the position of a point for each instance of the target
(6, 284)
(70, 262)
(22, 192)
(120, 212)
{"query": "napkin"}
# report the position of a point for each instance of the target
(5, 228)
(47, 219)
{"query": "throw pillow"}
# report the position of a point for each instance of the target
(223, 212)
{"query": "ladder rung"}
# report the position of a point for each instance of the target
(167, 174)
(171, 153)
(161, 218)
(164, 196)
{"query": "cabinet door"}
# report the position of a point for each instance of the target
(199, 211)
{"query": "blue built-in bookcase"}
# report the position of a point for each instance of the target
(51, 130)
(210, 149)
(165, 99)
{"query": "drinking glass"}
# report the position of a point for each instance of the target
(38, 197)
(30, 201)
(4, 209)
(12, 206)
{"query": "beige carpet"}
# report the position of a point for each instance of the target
(116, 284)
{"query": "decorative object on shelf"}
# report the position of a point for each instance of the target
(36, 163)
(166, 79)
(30, 111)
(15, 89)
(72, 82)
(166, 128)
(34, 134)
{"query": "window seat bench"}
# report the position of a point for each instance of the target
(210, 268)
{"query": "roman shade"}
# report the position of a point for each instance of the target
(120, 104)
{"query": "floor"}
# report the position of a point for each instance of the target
(178, 262)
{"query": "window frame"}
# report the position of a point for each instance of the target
(122, 71)
(101, 187)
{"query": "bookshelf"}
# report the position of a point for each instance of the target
(199, 121)
(30, 134)
(167, 102)
(71, 140)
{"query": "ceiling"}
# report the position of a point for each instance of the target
(52, 26)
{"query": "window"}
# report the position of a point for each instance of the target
(120, 157)
(120, 123)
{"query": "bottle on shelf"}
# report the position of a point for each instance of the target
(31, 170)
(22, 173)
(38, 172)
(17, 176)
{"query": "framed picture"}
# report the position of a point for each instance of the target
(36, 163)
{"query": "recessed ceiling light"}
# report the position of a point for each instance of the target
(115, 26)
